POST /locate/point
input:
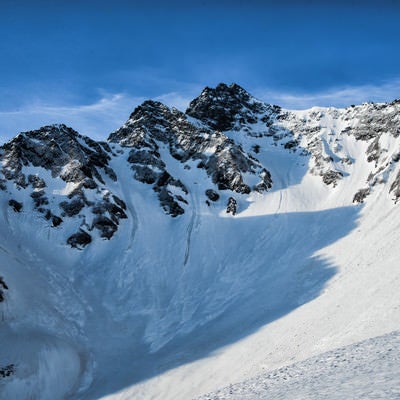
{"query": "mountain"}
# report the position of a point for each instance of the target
(193, 250)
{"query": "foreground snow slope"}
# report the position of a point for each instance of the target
(195, 250)
(359, 301)
(365, 370)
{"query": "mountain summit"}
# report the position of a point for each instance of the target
(197, 246)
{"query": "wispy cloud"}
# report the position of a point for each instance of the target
(177, 100)
(337, 97)
(102, 117)
(96, 120)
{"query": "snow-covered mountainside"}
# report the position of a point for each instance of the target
(194, 250)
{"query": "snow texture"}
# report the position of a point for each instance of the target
(366, 370)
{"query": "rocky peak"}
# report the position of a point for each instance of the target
(153, 127)
(150, 108)
(227, 107)
(53, 148)
(150, 121)
(78, 165)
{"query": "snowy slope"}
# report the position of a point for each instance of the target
(163, 294)
(365, 370)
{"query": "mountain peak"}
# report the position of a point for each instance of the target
(223, 107)
(149, 107)
(49, 132)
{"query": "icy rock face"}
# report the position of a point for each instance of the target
(228, 108)
(324, 133)
(80, 163)
(379, 126)
(319, 133)
(149, 127)
(153, 127)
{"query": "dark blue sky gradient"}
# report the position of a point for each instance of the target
(72, 52)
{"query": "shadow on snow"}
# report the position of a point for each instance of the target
(256, 271)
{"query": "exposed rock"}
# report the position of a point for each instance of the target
(291, 145)
(39, 198)
(145, 174)
(36, 182)
(169, 204)
(56, 148)
(106, 227)
(16, 205)
(7, 371)
(231, 207)
(212, 194)
(360, 196)
(227, 107)
(168, 200)
(55, 220)
(79, 161)
(153, 125)
(266, 181)
(331, 177)
(79, 240)
(375, 120)
(3, 287)
(119, 202)
(73, 207)
(143, 157)
(395, 188)
(374, 150)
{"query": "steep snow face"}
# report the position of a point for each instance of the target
(190, 243)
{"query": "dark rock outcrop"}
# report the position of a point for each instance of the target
(231, 207)
(7, 371)
(227, 108)
(3, 286)
(212, 194)
(80, 162)
(79, 240)
(15, 205)
(153, 128)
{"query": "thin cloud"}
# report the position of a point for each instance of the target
(175, 99)
(96, 120)
(100, 118)
(340, 97)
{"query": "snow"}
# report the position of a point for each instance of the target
(174, 308)
(366, 370)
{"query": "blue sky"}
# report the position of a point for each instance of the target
(89, 63)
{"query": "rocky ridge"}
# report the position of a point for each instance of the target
(75, 163)
(62, 175)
